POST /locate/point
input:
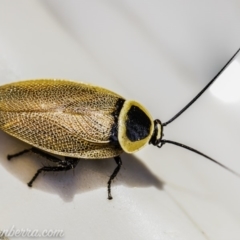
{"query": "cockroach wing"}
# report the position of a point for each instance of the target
(61, 117)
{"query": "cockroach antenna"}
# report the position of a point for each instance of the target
(159, 142)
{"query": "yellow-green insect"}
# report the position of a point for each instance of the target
(78, 120)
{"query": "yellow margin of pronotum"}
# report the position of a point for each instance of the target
(127, 145)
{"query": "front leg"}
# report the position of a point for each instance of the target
(114, 174)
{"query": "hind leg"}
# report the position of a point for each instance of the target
(61, 165)
(68, 164)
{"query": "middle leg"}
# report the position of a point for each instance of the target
(114, 174)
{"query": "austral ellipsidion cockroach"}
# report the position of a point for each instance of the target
(78, 120)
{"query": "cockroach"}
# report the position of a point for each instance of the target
(79, 120)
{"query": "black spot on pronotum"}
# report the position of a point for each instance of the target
(137, 124)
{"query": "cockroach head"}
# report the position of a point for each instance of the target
(157, 133)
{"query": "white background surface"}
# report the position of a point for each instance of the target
(160, 53)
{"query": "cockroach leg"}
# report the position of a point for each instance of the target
(114, 174)
(38, 152)
(68, 164)
(62, 165)
(9, 157)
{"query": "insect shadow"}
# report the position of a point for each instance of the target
(87, 176)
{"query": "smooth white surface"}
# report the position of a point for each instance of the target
(161, 54)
